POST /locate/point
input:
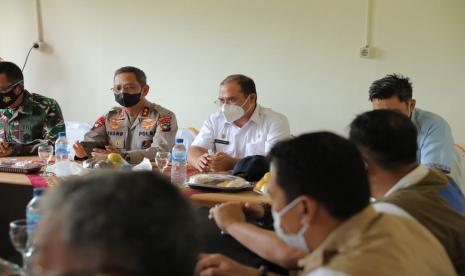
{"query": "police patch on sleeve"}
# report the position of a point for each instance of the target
(165, 123)
(100, 122)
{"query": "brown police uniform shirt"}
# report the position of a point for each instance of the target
(153, 130)
(371, 243)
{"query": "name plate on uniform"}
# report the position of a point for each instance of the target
(224, 142)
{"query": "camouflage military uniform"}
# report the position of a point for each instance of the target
(36, 119)
(153, 130)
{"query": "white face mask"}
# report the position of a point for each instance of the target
(294, 240)
(233, 112)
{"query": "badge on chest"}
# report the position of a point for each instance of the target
(116, 123)
(148, 123)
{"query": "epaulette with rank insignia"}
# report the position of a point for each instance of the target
(145, 112)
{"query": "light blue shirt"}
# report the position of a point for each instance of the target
(436, 145)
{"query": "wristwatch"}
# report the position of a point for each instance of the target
(263, 270)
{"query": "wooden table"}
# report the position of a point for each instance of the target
(16, 191)
(202, 198)
(209, 199)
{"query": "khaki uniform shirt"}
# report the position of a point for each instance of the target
(153, 130)
(436, 202)
(37, 119)
(371, 243)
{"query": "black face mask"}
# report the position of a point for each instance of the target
(9, 98)
(127, 100)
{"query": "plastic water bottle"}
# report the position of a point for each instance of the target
(32, 219)
(179, 163)
(62, 155)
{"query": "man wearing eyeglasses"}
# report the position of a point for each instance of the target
(26, 119)
(242, 128)
(137, 128)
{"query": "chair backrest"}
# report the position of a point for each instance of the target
(188, 134)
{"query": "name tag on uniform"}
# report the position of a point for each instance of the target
(218, 141)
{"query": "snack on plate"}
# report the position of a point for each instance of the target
(111, 161)
(231, 183)
(218, 180)
(201, 179)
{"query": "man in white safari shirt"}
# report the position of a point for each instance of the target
(242, 128)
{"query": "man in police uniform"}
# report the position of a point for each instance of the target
(242, 128)
(136, 129)
(26, 119)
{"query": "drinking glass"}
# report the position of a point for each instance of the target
(18, 237)
(45, 153)
(162, 159)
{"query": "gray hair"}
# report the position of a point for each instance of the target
(140, 75)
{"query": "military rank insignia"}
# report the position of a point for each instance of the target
(145, 112)
(148, 123)
(165, 123)
(122, 115)
(100, 122)
(7, 99)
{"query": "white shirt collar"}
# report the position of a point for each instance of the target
(409, 179)
(256, 115)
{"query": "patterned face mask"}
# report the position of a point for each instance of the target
(8, 98)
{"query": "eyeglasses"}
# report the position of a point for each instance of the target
(230, 100)
(118, 89)
(10, 87)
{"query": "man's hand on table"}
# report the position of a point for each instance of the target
(219, 265)
(96, 152)
(202, 163)
(227, 214)
(254, 210)
(5, 148)
(220, 162)
(79, 150)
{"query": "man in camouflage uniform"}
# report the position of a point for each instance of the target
(137, 128)
(26, 119)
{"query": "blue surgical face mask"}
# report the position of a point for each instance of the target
(294, 240)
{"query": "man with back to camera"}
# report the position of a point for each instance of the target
(242, 128)
(388, 143)
(116, 224)
(136, 129)
(435, 142)
(26, 119)
(321, 203)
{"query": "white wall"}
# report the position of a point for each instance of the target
(303, 54)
